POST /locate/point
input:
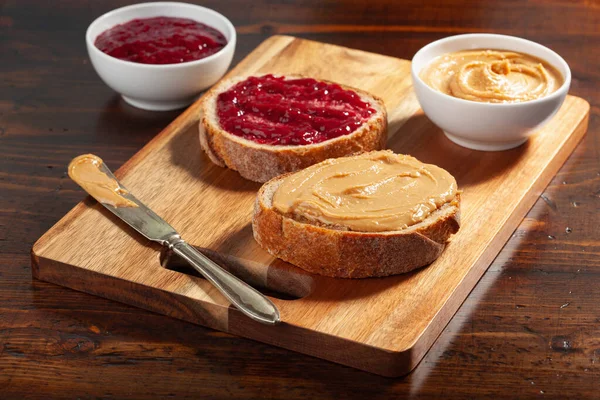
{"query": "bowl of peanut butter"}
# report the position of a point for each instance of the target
(489, 92)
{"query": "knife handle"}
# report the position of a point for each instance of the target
(245, 298)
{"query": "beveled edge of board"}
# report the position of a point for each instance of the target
(426, 339)
(292, 337)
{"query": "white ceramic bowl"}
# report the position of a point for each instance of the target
(487, 126)
(166, 86)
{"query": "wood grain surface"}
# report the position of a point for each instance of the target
(530, 328)
(383, 326)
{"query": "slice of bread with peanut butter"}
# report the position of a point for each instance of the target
(371, 215)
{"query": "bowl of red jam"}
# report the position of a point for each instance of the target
(160, 56)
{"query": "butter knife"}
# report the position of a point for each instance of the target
(92, 174)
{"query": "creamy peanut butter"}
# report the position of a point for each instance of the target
(85, 170)
(492, 76)
(372, 192)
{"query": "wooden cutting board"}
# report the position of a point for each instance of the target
(382, 325)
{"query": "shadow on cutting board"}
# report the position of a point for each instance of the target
(284, 281)
(420, 138)
(187, 154)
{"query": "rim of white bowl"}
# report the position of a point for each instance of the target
(90, 41)
(557, 93)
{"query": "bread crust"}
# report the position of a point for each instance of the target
(259, 162)
(350, 254)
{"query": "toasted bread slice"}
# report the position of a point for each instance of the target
(261, 162)
(337, 252)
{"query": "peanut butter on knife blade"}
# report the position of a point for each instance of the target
(86, 171)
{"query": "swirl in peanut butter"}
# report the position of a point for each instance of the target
(372, 192)
(492, 76)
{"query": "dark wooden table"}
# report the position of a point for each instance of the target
(530, 328)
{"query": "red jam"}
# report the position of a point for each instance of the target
(161, 40)
(275, 111)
